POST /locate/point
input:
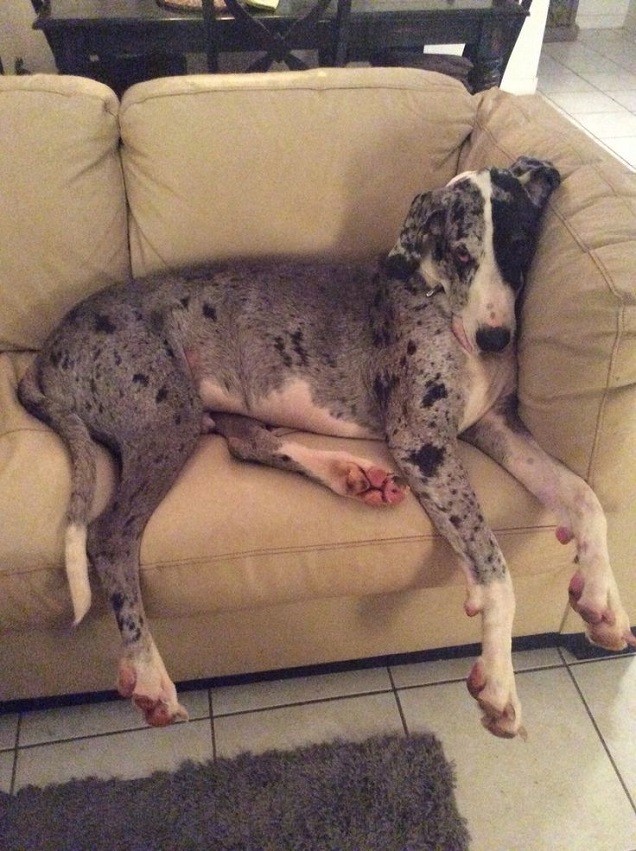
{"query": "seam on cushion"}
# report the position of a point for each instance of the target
(29, 430)
(509, 531)
(442, 87)
(593, 164)
(496, 144)
(618, 334)
(68, 95)
(411, 539)
(618, 337)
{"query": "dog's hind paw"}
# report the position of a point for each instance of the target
(606, 621)
(151, 690)
(498, 701)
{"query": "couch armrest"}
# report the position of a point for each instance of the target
(577, 347)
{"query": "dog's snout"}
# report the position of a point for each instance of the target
(492, 338)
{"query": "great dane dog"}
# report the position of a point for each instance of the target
(416, 351)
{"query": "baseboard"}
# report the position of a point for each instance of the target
(575, 643)
(579, 646)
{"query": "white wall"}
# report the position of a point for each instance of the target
(18, 39)
(630, 20)
(521, 74)
(602, 13)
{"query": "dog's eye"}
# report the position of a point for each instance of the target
(462, 256)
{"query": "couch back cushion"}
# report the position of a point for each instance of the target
(577, 349)
(317, 163)
(62, 201)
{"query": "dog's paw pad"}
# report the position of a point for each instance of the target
(373, 485)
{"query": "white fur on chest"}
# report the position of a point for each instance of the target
(292, 406)
(486, 380)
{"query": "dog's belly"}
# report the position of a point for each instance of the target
(292, 406)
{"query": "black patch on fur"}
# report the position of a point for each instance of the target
(383, 386)
(382, 336)
(161, 395)
(508, 408)
(515, 222)
(428, 458)
(297, 338)
(141, 379)
(435, 390)
(279, 345)
(400, 266)
(104, 325)
(411, 348)
(209, 312)
(168, 349)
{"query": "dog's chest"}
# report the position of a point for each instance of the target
(486, 379)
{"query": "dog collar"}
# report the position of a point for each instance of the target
(431, 291)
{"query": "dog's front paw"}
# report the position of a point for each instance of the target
(152, 691)
(606, 621)
(496, 695)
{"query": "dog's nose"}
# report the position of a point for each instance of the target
(492, 339)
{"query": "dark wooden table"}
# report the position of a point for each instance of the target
(80, 32)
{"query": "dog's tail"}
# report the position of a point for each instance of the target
(74, 433)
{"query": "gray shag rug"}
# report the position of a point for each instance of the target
(387, 793)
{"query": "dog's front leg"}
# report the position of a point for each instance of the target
(432, 467)
(593, 590)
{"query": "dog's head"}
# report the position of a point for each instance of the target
(475, 238)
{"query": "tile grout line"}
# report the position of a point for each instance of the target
(600, 735)
(311, 702)
(16, 746)
(212, 730)
(396, 695)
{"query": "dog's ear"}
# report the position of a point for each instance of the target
(426, 215)
(538, 177)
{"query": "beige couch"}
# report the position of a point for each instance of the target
(248, 569)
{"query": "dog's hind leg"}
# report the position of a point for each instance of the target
(344, 474)
(82, 453)
(149, 466)
(593, 590)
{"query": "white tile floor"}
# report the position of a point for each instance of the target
(571, 786)
(593, 80)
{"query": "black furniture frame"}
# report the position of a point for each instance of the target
(332, 35)
(84, 33)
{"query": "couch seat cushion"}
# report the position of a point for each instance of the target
(232, 535)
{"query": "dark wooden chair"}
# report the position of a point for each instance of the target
(311, 30)
(405, 49)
